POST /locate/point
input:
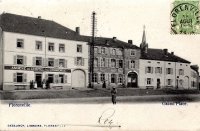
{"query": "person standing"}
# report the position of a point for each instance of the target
(113, 94)
(104, 84)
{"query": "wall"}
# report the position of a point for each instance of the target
(29, 51)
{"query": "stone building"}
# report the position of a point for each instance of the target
(161, 69)
(34, 49)
(115, 62)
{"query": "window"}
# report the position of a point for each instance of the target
(102, 77)
(181, 72)
(103, 50)
(120, 78)
(20, 60)
(38, 61)
(113, 52)
(95, 62)
(61, 78)
(149, 80)
(20, 43)
(169, 71)
(132, 52)
(158, 70)
(132, 64)
(120, 63)
(149, 69)
(19, 77)
(95, 50)
(169, 82)
(94, 78)
(38, 45)
(120, 52)
(61, 63)
(50, 78)
(51, 62)
(79, 61)
(113, 63)
(79, 48)
(51, 47)
(193, 84)
(113, 78)
(102, 62)
(61, 48)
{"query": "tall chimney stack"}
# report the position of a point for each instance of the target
(130, 41)
(78, 30)
(165, 51)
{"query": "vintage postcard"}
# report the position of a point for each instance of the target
(99, 65)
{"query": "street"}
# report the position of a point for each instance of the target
(186, 98)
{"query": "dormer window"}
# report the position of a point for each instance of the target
(20, 43)
(132, 53)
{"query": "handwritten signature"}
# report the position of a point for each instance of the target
(106, 117)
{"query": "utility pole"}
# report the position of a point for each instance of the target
(91, 85)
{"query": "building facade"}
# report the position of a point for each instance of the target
(116, 63)
(161, 69)
(31, 51)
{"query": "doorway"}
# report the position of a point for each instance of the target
(38, 79)
(158, 83)
(132, 80)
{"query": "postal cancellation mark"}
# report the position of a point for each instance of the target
(185, 17)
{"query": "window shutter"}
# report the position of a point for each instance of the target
(15, 77)
(145, 80)
(46, 77)
(65, 63)
(99, 62)
(171, 71)
(110, 51)
(99, 49)
(75, 61)
(15, 59)
(106, 62)
(65, 78)
(106, 77)
(145, 70)
(34, 61)
(83, 60)
(109, 62)
(167, 71)
(116, 78)
(43, 61)
(117, 63)
(55, 78)
(151, 70)
(46, 61)
(106, 50)
(160, 70)
(25, 61)
(56, 62)
(151, 79)
(24, 77)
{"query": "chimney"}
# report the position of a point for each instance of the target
(39, 17)
(114, 38)
(78, 30)
(130, 41)
(172, 53)
(165, 51)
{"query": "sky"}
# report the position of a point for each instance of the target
(123, 19)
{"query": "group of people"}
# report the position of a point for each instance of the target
(34, 84)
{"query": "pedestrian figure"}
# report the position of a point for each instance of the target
(31, 84)
(104, 84)
(35, 85)
(47, 84)
(43, 84)
(113, 93)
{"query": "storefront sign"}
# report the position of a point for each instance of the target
(36, 69)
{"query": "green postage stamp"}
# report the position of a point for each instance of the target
(185, 17)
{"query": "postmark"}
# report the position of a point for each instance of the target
(185, 17)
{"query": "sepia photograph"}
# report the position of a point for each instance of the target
(99, 65)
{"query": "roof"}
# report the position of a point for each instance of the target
(41, 27)
(158, 54)
(35, 26)
(113, 42)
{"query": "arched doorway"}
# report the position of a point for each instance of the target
(186, 82)
(78, 78)
(132, 80)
